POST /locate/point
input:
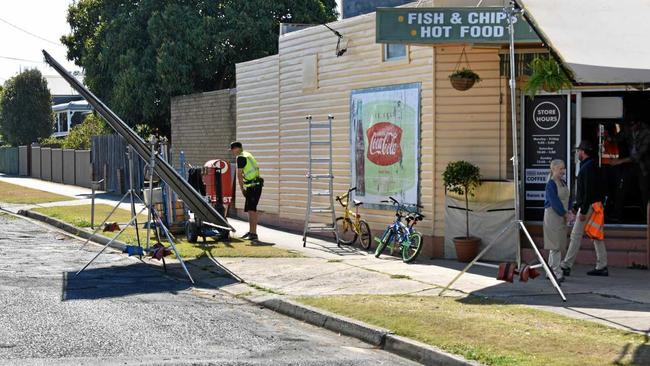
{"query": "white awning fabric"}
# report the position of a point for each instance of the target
(600, 41)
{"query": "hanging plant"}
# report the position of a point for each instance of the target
(547, 75)
(463, 79)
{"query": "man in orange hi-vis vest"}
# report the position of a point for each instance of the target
(589, 192)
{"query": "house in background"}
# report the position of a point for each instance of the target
(68, 106)
(68, 115)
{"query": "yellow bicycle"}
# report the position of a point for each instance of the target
(350, 226)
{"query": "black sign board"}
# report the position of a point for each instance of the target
(546, 122)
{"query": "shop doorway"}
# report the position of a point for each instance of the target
(604, 119)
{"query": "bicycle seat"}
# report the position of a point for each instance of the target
(357, 202)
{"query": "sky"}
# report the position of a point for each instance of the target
(26, 28)
(41, 23)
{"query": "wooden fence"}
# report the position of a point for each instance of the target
(110, 162)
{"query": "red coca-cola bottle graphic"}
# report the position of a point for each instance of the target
(359, 150)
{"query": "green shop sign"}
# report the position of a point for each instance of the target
(449, 25)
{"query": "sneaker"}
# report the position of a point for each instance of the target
(599, 272)
(252, 237)
(566, 271)
(246, 236)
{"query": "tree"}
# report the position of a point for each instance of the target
(138, 54)
(81, 135)
(25, 109)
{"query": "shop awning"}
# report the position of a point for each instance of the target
(599, 41)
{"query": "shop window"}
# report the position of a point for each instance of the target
(394, 51)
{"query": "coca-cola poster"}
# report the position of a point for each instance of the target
(385, 143)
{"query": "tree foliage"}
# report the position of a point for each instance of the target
(80, 136)
(25, 109)
(138, 54)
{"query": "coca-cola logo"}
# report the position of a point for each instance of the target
(384, 143)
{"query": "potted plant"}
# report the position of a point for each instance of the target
(462, 177)
(546, 74)
(463, 79)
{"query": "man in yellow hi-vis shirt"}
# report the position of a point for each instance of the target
(250, 182)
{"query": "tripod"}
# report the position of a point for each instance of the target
(511, 11)
(153, 215)
(134, 216)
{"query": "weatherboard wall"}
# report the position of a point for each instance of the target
(276, 93)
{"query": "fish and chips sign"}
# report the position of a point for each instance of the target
(449, 25)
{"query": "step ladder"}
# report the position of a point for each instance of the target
(319, 163)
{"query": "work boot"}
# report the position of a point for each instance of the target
(566, 271)
(599, 272)
(246, 236)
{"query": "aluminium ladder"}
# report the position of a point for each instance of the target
(319, 162)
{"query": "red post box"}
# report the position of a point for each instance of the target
(217, 176)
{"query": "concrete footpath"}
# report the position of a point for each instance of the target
(621, 300)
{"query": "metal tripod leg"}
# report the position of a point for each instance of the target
(520, 225)
(171, 243)
(549, 273)
(488, 247)
(129, 153)
(109, 243)
(103, 222)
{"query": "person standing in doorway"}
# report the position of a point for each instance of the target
(250, 183)
(556, 216)
(639, 141)
(588, 191)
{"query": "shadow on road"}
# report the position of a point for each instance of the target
(141, 278)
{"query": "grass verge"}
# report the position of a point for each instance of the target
(13, 193)
(80, 217)
(491, 332)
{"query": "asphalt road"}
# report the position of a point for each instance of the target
(121, 311)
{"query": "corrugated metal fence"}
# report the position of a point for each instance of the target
(110, 162)
(9, 160)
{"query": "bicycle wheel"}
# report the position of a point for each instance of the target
(386, 238)
(411, 249)
(345, 231)
(365, 237)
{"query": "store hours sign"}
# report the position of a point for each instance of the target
(545, 139)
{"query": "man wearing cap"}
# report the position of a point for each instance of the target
(588, 191)
(250, 182)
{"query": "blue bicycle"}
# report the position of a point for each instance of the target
(401, 236)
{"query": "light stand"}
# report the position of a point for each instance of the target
(511, 12)
(152, 215)
(132, 197)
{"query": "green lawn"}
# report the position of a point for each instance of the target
(80, 216)
(12, 193)
(491, 332)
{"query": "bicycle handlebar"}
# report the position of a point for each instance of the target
(352, 189)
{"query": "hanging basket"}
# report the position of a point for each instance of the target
(461, 83)
(463, 79)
